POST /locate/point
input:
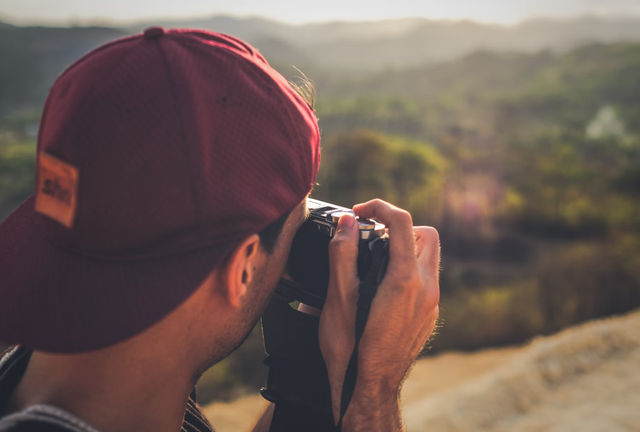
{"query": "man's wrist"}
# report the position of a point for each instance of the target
(374, 407)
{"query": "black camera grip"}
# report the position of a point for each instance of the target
(298, 382)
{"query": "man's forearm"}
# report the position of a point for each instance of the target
(373, 411)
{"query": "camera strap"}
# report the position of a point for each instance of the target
(367, 291)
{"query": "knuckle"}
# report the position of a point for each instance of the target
(431, 292)
(339, 246)
(427, 302)
(429, 234)
(405, 281)
(335, 245)
(432, 301)
(403, 217)
(433, 234)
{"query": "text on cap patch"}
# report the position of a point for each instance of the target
(57, 191)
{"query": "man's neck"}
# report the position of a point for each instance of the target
(130, 390)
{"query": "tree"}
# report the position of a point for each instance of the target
(362, 165)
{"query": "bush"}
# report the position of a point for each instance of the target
(17, 172)
(362, 165)
(493, 316)
(586, 281)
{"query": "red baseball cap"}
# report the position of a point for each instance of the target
(157, 155)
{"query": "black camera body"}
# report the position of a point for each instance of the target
(307, 276)
(298, 383)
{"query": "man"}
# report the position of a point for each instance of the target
(173, 170)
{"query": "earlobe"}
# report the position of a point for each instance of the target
(240, 270)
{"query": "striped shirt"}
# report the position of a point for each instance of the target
(48, 418)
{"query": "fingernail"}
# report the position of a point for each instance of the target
(346, 221)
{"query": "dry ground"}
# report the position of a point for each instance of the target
(584, 379)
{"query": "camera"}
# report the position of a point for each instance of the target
(298, 383)
(307, 276)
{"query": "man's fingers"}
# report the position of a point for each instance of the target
(343, 255)
(399, 224)
(428, 254)
(427, 247)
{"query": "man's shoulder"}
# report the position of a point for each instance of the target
(37, 418)
(47, 418)
(44, 418)
(34, 426)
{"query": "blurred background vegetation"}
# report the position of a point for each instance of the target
(525, 157)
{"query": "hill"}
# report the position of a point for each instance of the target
(584, 378)
(32, 57)
(398, 44)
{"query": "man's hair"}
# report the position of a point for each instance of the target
(269, 235)
(306, 88)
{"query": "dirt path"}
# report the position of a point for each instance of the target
(605, 400)
(449, 370)
(583, 379)
(586, 378)
(237, 416)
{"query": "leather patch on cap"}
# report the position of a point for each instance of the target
(57, 192)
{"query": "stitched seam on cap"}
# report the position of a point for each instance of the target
(78, 108)
(87, 96)
(284, 106)
(195, 197)
(84, 58)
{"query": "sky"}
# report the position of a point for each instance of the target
(297, 12)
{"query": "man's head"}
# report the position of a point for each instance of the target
(160, 157)
(228, 304)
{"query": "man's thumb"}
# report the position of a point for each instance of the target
(344, 245)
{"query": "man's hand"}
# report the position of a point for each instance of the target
(402, 317)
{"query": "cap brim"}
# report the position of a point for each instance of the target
(59, 301)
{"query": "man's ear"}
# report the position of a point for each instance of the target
(240, 269)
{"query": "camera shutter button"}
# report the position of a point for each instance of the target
(335, 216)
(366, 224)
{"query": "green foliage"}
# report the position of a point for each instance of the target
(17, 172)
(567, 181)
(363, 165)
(32, 58)
(389, 114)
(582, 281)
(490, 317)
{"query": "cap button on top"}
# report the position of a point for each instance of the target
(154, 32)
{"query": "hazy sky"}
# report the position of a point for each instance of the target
(500, 11)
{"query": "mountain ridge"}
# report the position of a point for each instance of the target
(376, 45)
(327, 52)
(367, 46)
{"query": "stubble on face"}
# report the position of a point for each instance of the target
(260, 292)
(274, 266)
